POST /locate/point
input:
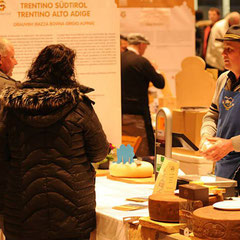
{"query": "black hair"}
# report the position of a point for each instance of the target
(54, 65)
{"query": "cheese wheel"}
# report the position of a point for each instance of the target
(164, 207)
(133, 170)
(210, 223)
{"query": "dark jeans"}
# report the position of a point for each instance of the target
(134, 125)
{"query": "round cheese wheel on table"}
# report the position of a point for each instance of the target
(210, 223)
(164, 207)
(133, 170)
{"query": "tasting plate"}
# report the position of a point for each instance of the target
(227, 205)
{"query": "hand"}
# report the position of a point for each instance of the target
(219, 148)
(206, 142)
(203, 142)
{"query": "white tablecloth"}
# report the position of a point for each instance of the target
(111, 193)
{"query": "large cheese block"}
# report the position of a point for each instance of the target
(164, 207)
(133, 170)
(214, 224)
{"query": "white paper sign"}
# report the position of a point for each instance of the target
(167, 177)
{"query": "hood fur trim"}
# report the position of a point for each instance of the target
(35, 99)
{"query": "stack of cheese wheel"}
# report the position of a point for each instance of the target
(164, 207)
(210, 223)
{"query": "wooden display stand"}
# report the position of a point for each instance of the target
(148, 230)
(195, 88)
(194, 85)
(160, 226)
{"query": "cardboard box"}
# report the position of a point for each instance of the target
(188, 122)
(192, 162)
(167, 101)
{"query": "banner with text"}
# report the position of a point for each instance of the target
(169, 25)
(89, 27)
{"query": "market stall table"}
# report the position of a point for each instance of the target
(110, 222)
(109, 193)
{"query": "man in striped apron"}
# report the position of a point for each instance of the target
(220, 130)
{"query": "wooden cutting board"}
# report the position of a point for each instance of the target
(178, 236)
(160, 226)
(149, 180)
(101, 172)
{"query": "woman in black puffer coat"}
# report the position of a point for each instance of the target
(49, 136)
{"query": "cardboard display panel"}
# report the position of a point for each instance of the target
(189, 123)
(194, 85)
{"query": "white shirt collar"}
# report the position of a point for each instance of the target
(132, 49)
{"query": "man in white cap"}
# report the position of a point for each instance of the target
(221, 125)
(7, 63)
(136, 74)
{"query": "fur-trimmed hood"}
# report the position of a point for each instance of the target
(41, 105)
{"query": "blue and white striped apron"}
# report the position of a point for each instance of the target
(227, 127)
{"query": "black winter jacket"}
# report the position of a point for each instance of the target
(48, 138)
